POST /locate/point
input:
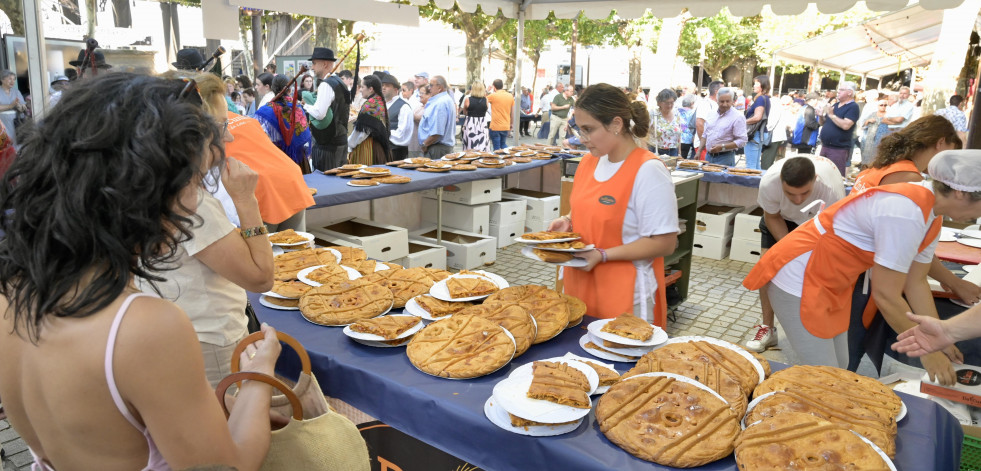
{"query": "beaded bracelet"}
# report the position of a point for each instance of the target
(602, 253)
(254, 231)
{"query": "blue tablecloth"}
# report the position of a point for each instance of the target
(332, 190)
(448, 414)
(752, 181)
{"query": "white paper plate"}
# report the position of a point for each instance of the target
(372, 343)
(968, 268)
(485, 374)
(365, 171)
(349, 169)
(576, 262)
(600, 389)
(634, 351)
(413, 307)
(264, 302)
(550, 241)
(277, 250)
(591, 375)
(584, 249)
(512, 394)
(595, 328)
(947, 234)
(378, 338)
(600, 353)
(342, 325)
(976, 243)
(683, 379)
(731, 346)
(961, 303)
(441, 292)
(306, 235)
(352, 274)
(361, 186)
(498, 416)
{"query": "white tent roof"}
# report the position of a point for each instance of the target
(880, 46)
(539, 9)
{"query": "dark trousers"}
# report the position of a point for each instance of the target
(400, 152)
(687, 151)
(328, 157)
(437, 151)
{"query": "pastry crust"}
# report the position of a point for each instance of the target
(350, 255)
(597, 347)
(378, 171)
(668, 422)
(404, 284)
(525, 423)
(630, 326)
(826, 380)
(577, 309)
(559, 383)
(289, 236)
(393, 179)
(552, 257)
(714, 355)
(607, 377)
(460, 287)
(344, 302)
(438, 307)
(550, 235)
(328, 273)
(364, 182)
(460, 347)
(389, 327)
(717, 379)
(287, 265)
(576, 244)
(283, 302)
(547, 306)
(803, 441)
(512, 317)
(290, 289)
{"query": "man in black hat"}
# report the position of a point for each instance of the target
(330, 147)
(400, 122)
(189, 59)
(85, 65)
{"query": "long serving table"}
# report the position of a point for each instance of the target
(448, 414)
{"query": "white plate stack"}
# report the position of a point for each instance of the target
(628, 351)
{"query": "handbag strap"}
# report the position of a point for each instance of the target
(283, 337)
(252, 375)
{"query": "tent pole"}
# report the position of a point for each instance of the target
(865, 78)
(516, 110)
(36, 56)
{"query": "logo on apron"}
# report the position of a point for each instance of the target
(607, 200)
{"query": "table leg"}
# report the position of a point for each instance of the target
(439, 215)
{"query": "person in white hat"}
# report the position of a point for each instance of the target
(892, 230)
(59, 84)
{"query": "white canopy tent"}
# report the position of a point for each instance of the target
(878, 47)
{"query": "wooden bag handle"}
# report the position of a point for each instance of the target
(283, 337)
(252, 375)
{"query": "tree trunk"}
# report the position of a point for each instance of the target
(948, 61)
(537, 56)
(15, 12)
(474, 52)
(572, 59)
(325, 33)
(257, 63)
(749, 71)
(509, 67)
(90, 12)
(633, 75)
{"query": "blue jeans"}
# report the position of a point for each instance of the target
(499, 139)
(722, 158)
(667, 152)
(753, 151)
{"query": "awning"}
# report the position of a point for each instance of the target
(629, 9)
(880, 46)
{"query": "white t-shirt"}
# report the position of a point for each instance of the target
(829, 187)
(215, 305)
(652, 210)
(889, 224)
(546, 105)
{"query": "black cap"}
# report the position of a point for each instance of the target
(97, 57)
(324, 54)
(189, 59)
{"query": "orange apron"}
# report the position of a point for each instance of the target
(872, 177)
(828, 282)
(598, 209)
(281, 190)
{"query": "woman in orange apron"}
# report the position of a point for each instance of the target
(623, 203)
(892, 229)
(902, 157)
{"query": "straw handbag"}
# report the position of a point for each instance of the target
(316, 437)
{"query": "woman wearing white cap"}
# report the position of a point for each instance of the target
(893, 229)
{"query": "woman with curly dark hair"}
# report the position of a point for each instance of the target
(369, 143)
(903, 156)
(95, 374)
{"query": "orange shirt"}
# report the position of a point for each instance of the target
(872, 177)
(281, 190)
(501, 103)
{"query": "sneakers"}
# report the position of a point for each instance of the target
(765, 338)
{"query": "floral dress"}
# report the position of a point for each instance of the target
(665, 134)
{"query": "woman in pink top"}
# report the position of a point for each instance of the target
(94, 374)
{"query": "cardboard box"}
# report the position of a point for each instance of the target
(716, 219)
(747, 225)
(507, 212)
(475, 192)
(422, 254)
(505, 235)
(745, 250)
(380, 241)
(966, 390)
(464, 250)
(540, 207)
(716, 248)
(469, 218)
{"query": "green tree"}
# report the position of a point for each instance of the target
(537, 34)
(733, 39)
(583, 31)
(477, 26)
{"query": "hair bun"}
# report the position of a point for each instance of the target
(640, 118)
